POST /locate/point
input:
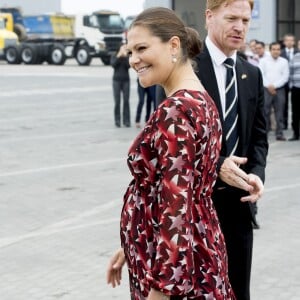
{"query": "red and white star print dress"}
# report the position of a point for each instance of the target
(170, 232)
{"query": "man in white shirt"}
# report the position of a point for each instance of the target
(275, 72)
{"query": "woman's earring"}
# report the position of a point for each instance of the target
(174, 59)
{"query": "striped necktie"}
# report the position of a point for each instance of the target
(231, 110)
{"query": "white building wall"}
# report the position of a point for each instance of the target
(31, 7)
(263, 23)
(152, 3)
(262, 27)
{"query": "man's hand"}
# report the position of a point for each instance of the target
(257, 189)
(272, 90)
(231, 173)
(114, 270)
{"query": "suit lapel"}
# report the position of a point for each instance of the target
(243, 97)
(208, 78)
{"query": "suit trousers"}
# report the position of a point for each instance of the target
(121, 88)
(278, 103)
(295, 97)
(236, 223)
(286, 107)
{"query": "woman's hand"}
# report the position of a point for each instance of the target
(114, 269)
(156, 295)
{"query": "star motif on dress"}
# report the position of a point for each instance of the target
(172, 113)
(174, 179)
(171, 128)
(188, 236)
(187, 95)
(206, 130)
(153, 192)
(189, 177)
(201, 228)
(150, 249)
(184, 193)
(175, 238)
(177, 222)
(177, 163)
(219, 281)
(186, 286)
(177, 273)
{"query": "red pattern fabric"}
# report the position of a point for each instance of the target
(170, 232)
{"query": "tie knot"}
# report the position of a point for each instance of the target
(229, 63)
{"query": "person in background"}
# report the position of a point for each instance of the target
(241, 166)
(275, 72)
(149, 93)
(295, 95)
(160, 94)
(121, 86)
(260, 49)
(252, 44)
(242, 51)
(250, 52)
(288, 51)
(170, 233)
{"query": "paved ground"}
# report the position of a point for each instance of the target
(62, 177)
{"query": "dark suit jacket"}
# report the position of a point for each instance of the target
(252, 126)
(283, 53)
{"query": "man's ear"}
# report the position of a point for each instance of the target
(208, 17)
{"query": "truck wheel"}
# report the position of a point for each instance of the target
(57, 55)
(20, 31)
(106, 60)
(83, 56)
(29, 55)
(12, 55)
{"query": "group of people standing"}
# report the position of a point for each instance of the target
(281, 78)
(198, 164)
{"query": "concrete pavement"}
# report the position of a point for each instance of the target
(62, 177)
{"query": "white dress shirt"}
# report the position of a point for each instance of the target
(274, 71)
(218, 58)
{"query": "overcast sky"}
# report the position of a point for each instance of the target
(124, 7)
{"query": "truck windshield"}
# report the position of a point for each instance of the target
(110, 22)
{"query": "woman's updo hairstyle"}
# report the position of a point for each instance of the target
(164, 24)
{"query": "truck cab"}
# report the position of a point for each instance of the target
(18, 23)
(103, 31)
(7, 36)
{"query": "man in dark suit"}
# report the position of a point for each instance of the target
(288, 51)
(242, 171)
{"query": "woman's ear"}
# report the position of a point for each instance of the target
(175, 45)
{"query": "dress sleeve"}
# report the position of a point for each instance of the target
(174, 141)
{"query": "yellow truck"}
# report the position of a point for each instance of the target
(7, 36)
